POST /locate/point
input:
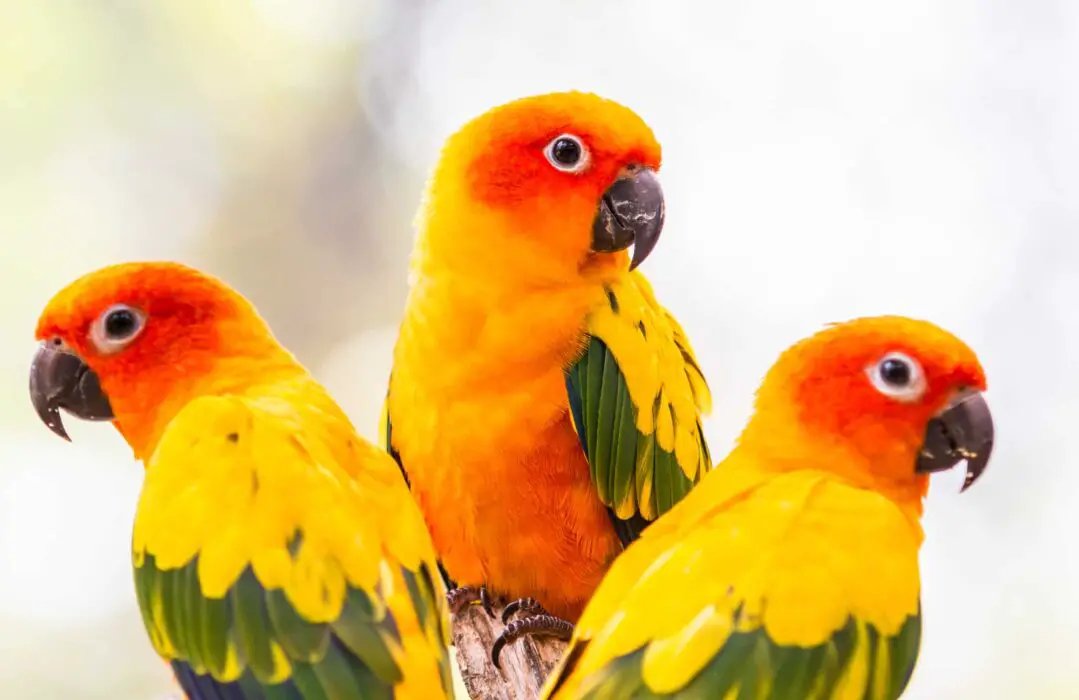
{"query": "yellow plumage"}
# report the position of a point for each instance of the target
(791, 571)
(538, 387)
(277, 555)
(661, 373)
(234, 479)
(792, 552)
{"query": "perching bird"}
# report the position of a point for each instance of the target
(543, 405)
(791, 571)
(277, 555)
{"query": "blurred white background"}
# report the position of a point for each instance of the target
(820, 163)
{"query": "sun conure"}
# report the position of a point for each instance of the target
(543, 405)
(277, 555)
(791, 571)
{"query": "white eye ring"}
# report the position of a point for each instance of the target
(116, 328)
(897, 376)
(567, 153)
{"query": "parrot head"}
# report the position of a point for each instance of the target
(559, 182)
(887, 400)
(131, 343)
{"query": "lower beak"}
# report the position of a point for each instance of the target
(60, 379)
(631, 211)
(962, 431)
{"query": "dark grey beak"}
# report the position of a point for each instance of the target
(962, 431)
(60, 379)
(630, 212)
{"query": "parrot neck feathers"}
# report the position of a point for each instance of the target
(779, 446)
(458, 237)
(142, 415)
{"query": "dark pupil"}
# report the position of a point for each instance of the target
(120, 324)
(566, 151)
(895, 372)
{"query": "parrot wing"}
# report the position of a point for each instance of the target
(637, 395)
(385, 429)
(279, 556)
(726, 598)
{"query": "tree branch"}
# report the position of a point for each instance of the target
(525, 663)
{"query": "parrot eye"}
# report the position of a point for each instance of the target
(567, 153)
(897, 376)
(115, 328)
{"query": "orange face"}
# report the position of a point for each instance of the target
(571, 170)
(117, 342)
(904, 394)
(512, 160)
(134, 317)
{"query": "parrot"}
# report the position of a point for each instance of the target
(543, 406)
(791, 570)
(276, 554)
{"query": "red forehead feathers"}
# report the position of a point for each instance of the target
(160, 289)
(502, 151)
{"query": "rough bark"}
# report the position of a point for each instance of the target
(525, 663)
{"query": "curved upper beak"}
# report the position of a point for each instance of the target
(631, 211)
(962, 431)
(60, 379)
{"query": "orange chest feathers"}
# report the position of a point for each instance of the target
(499, 473)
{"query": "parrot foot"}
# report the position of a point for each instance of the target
(458, 598)
(541, 625)
(528, 607)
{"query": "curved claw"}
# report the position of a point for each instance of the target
(524, 605)
(485, 601)
(458, 598)
(536, 626)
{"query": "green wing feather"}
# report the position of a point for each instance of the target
(639, 475)
(257, 632)
(252, 642)
(857, 662)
